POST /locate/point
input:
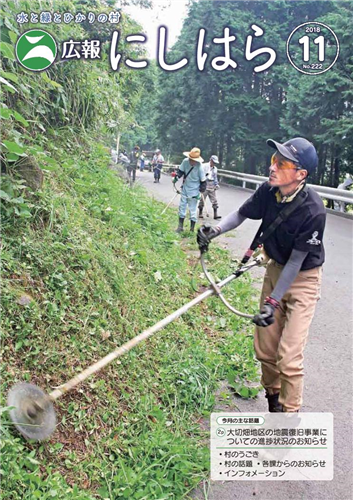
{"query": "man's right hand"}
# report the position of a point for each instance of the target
(175, 179)
(204, 235)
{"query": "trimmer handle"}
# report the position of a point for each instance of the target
(203, 230)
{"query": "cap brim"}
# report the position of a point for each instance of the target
(282, 149)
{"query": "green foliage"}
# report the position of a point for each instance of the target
(232, 112)
(12, 202)
(98, 264)
(328, 120)
(87, 264)
(75, 97)
(23, 477)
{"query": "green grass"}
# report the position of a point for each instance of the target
(99, 264)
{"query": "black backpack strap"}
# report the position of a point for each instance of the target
(261, 235)
(185, 176)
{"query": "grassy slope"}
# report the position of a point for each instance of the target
(100, 264)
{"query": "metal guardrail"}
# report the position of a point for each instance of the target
(329, 193)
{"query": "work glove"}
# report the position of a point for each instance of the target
(175, 179)
(204, 235)
(197, 197)
(266, 314)
(216, 187)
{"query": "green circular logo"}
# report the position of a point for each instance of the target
(36, 50)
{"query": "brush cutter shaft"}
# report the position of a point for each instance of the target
(171, 201)
(204, 203)
(57, 393)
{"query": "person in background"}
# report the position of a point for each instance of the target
(142, 162)
(341, 205)
(134, 160)
(157, 163)
(194, 183)
(212, 185)
(124, 159)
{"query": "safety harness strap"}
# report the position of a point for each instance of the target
(261, 235)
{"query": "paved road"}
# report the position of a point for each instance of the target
(328, 356)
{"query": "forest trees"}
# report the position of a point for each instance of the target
(230, 113)
(74, 96)
(233, 112)
(73, 101)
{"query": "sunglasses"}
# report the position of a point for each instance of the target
(283, 163)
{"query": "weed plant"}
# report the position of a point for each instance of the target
(93, 265)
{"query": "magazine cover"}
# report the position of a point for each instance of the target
(176, 221)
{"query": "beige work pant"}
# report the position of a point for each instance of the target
(211, 193)
(280, 346)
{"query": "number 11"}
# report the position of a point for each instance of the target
(320, 41)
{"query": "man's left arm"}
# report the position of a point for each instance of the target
(180, 172)
(202, 176)
(216, 183)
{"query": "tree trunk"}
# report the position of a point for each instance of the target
(228, 144)
(323, 171)
(330, 202)
(317, 175)
(221, 146)
(249, 161)
(331, 166)
(337, 167)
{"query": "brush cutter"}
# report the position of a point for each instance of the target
(32, 409)
(205, 205)
(171, 201)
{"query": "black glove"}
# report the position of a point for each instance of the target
(266, 315)
(204, 235)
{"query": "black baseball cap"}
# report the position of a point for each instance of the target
(298, 150)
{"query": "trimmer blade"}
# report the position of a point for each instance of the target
(33, 414)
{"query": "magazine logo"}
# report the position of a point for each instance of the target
(36, 50)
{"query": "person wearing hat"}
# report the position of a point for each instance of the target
(134, 159)
(194, 183)
(157, 162)
(142, 161)
(291, 286)
(341, 205)
(212, 185)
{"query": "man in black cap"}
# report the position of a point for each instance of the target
(292, 281)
